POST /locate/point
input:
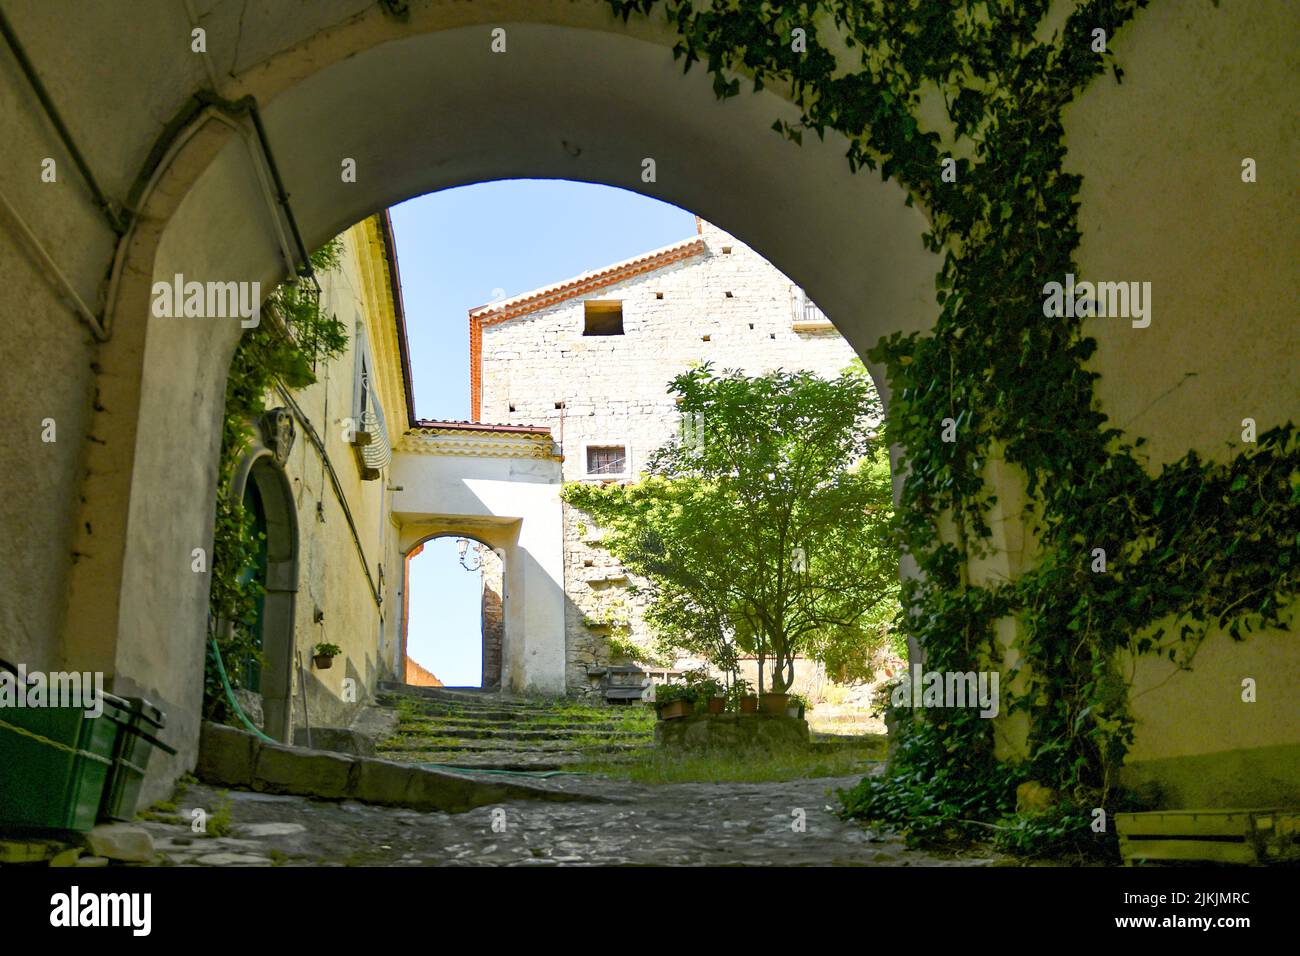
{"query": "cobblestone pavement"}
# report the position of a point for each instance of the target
(675, 824)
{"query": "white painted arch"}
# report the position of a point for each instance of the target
(511, 504)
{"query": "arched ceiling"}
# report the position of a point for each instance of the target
(440, 109)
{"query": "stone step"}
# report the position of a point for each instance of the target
(465, 696)
(506, 746)
(501, 711)
(521, 730)
(549, 718)
(473, 729)
(498, 716)
(236, 760)
(493, 716)
(468, 708)
(517, 735)
(523, 762)
(497, 709)
(398, 687)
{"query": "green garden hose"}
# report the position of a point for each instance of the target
(230, 695)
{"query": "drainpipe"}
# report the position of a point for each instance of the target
(319, 444)
(564, 406)
(259, 166)
(51, 267)
(173, 138)
(52, 114)
(248, 105)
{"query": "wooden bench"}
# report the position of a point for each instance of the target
(631, 687)
(1218, 836)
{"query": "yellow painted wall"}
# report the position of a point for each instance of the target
(331, 574)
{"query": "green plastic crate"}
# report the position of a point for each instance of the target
(56, 761)
(135, 744)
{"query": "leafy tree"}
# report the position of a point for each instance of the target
(763, 528)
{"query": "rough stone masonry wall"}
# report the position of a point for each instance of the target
(493, 614)
(728, 306)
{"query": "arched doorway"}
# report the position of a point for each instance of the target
(260, 482)
(454, 621)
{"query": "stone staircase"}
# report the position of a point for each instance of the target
(473, 729)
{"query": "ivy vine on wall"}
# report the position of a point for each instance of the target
(1200, 545)
(286, 348)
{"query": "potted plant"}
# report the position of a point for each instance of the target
(797, 706)
(742, 696)
(708, 691)
(775, 704)
(323, 659)
(673, 701)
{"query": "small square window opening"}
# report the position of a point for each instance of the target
(602, 318)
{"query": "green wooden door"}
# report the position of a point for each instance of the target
(251, 668)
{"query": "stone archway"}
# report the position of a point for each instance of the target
(260, 476)
(463, 116)
(102, 536)
(494, 606)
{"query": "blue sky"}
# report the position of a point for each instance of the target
(461, 248)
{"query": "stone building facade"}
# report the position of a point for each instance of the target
(591, 358)
(493, 622)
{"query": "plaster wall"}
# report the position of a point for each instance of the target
(333, 577)
(1163, 201)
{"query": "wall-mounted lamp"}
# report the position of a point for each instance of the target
(462, 547)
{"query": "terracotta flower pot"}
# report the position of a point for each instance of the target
(323, 662)
(749, 705)
(775, 704)
(717, 705)
(675, 709)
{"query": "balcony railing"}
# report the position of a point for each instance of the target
(811, 313)
(807, 316)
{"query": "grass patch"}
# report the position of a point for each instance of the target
(168, 811)
(654, 766)
(160, 816)
(602, 742)
(221, 820)
(636, 714)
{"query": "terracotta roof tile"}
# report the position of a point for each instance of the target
(494, 312)
(480, 427)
